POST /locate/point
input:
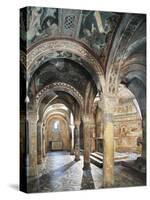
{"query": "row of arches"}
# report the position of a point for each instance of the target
(71, 96)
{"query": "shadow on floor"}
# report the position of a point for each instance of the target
(60, 171)
(49, 178)
(14, 186)
(87, 180)
(52, 176)
(57, 153)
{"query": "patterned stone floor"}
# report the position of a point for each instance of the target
(62, 173)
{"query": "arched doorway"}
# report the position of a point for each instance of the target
(58, 136)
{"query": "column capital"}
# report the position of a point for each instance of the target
(86, 118)
(92, 125)
(111, 97)
(108, 102)
(39, 123)
(32, 116)
(77, 123)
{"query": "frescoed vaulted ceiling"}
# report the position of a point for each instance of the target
(93, 28)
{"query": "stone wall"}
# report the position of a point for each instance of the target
(58, 140)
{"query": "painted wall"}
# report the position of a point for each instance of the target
(58, 136)
(127, 128)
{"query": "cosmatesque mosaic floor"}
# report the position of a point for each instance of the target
(62, 173)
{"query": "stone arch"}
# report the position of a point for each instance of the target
(133, 71)
(42, 106)
(41, 137)
(129, 25)
(61, 102)
(60, 86)
(63, 113)
(50, 46)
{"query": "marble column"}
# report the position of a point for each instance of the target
(77, 140)
(39, 142)
(108, 160)
(87, 142)
(32, 122)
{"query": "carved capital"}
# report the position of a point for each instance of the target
(109, 102)
(86, 119)
(32, 116)
(77, 123)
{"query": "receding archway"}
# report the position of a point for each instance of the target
(57, 133)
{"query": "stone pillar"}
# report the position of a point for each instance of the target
(72, 139)
(77, 140)
(140, 163)
(32, 121)
(108, 160)
(92, 135)
(87, 142)
(23, 151)
(44, 142)
(144, 136)
(39, 142)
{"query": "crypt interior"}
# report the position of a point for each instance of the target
(82, 99)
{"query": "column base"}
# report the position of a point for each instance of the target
(44, 155)
(139, 165)
(77, 154)
(86, 166)
(39, 161)
(72, 152)
(77, 159)
(108, 185)
(33, 185)
(32, 171)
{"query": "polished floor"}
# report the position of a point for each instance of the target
(62, 173)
